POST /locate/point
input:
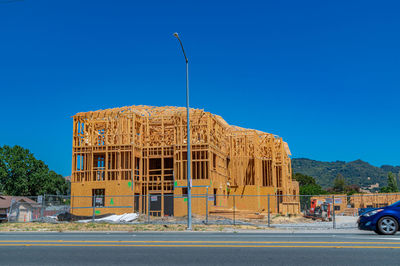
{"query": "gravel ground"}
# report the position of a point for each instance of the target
(341, 222)
(278, 222)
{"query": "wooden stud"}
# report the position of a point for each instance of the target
(259, 162)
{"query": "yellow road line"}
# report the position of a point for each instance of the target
(202, 246)
(196, 241)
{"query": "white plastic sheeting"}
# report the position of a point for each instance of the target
(123, 218)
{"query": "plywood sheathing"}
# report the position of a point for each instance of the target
(142, 149)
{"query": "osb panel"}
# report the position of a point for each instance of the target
(112, 148)
(374, 199)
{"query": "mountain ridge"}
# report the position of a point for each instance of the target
(356, 172)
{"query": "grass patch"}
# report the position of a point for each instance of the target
(68, 227)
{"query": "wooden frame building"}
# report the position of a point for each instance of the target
(124, 154)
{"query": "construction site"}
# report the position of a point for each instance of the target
(352, 205)
(134, 159)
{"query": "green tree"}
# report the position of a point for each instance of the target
(312, 190)
(352, 189)
(21, 174)
(339, 184)
(308, 186)
(392, 184)
(304, 179)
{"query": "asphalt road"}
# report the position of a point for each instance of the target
(187, 248)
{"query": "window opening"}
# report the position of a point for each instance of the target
(214, 161)
(215, 197)
(98, 197)
(99, 166)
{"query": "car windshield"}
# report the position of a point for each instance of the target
(394, 204)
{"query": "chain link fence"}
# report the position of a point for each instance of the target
(34, 208)
(280, 211)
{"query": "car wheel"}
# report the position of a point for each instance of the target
(387, 225)
(378, 232)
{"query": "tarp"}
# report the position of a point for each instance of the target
(69, 217)
(123, 218)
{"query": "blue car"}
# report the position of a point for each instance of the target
(384, 221)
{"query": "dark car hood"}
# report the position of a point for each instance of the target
(365, 210)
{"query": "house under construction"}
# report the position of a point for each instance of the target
(124, 154)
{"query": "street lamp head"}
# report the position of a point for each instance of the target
(183, 50)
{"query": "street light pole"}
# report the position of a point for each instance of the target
(189, 178)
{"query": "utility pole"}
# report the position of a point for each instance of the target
(189, 178)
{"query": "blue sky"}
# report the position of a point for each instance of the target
(325, 76)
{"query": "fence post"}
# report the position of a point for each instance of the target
(68, 208)
(207, 206)
(94, 208)
(269, 213)
(277, 203)
(43, 206)
(333, 212)
(133, 203)
(9, 211)
(148, 208)
(17, 203)
(234, 210)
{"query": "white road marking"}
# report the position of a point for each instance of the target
(371, 238)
